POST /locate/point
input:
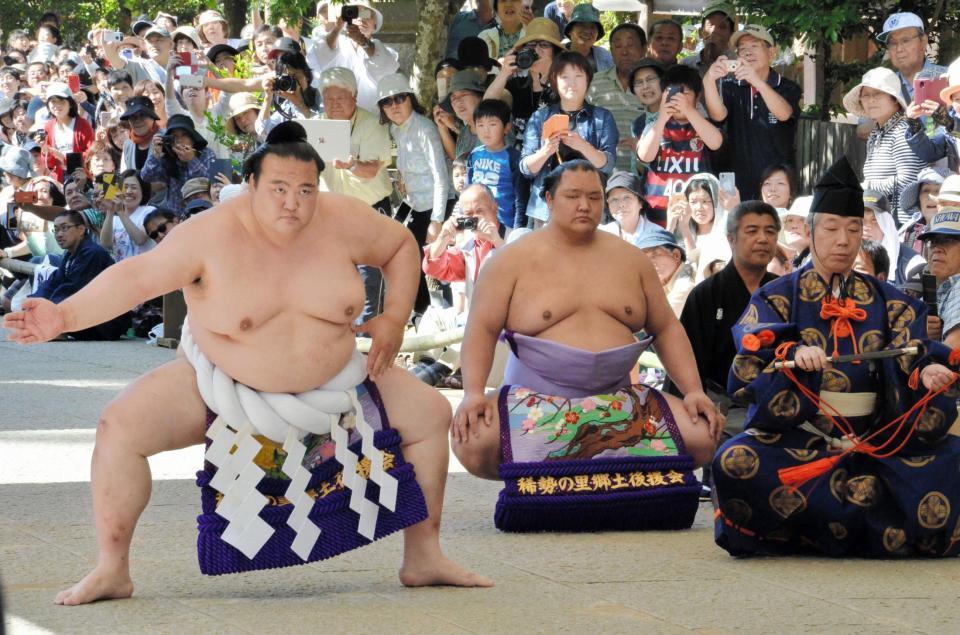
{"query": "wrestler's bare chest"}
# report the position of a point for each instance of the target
(593, 299)
(242, 290)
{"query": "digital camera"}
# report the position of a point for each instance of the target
(466, 222)
(284, 82)
(526, 57)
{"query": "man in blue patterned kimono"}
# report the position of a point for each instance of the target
(800, 480)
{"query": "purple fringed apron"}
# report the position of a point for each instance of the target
(583, 449)
(330, 512)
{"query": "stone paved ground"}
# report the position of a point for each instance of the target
(658, 582)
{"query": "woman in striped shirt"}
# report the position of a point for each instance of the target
(891, 164)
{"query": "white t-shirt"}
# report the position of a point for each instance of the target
(63, 136)
(123, 245)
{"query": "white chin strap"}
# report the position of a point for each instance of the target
(284, 418)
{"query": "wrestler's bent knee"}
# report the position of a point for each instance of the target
(478, 456)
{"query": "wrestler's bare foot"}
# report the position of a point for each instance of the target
(102, 583)
(438, 570)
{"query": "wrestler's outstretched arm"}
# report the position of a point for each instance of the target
(674, 349)
(487, 317)
(379, 241)
(171, 265)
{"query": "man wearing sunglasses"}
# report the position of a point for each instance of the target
(83, 261)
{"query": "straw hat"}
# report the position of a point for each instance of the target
(882, 79)
(540, 29)
(240, 103)
(190, 33)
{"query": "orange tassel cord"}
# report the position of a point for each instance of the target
(841, 314)
(800, 474)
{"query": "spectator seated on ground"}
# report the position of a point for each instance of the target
(669, 261)
(573, 413)
(83, 260)
(465, 241)
(819, 469)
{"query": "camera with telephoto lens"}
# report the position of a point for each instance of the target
(467, 222)
(284, 82)
(526, 57)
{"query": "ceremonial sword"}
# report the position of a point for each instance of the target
(855, 357)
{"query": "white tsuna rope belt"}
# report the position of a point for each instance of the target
(284, 418)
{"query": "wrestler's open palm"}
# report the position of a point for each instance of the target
(39, 321)
(386, 334)
(472, 411)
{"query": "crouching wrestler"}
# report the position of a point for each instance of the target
(578, 446)
(844, 457)
(269, 373)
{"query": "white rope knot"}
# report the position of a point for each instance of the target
(284, 418)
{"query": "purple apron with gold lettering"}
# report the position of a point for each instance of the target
(584, 450)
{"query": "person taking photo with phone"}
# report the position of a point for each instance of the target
(675, 143)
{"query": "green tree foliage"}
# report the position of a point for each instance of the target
(823, 23)
(79, 16)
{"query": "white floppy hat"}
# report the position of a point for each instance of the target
(16, 161)
(880, 78)
(950, 190)
(800, 207)
(240, 103)
(190, 33)
(394, 84)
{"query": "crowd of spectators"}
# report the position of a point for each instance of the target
(109, 144)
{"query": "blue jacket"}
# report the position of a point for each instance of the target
(932, 149)
(74, 273)
(595, 124)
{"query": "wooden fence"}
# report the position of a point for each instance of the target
(820, 143)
